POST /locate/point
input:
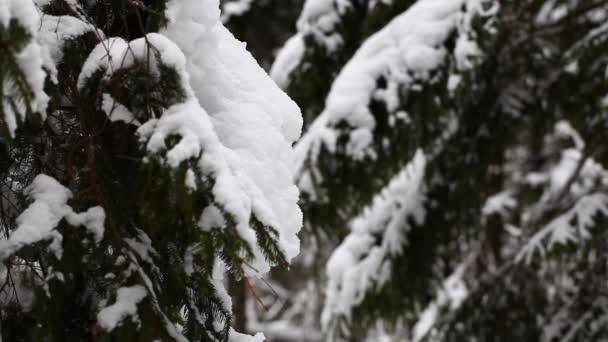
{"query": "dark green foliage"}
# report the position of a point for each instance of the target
(265, 26)
(531, 76)
(14, 38)
(153, 236)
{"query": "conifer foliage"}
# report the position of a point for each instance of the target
(452, 159)
(146, 158)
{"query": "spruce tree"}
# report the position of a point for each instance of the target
(146, 159)
(454, 148)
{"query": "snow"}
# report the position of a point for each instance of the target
(191, 180)
(31, 60)
(189, 258)
(93, 219)
(319, 19)
(116, 111)
(217, 278)
(254, 121)
(563, 171)
(238, 337)
(404, 52)
(127, 299)
(115, 53)
(143, 247)
(38, 222)
(451, 295)
(287, 60)
(359, 264)
(212, 218)
(563, 128)
(235, 9)
(21, 278)
(233, 112)
(54, 31)
(572, 226)
(500, 203)
(107, 55)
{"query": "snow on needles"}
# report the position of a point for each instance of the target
(38, 222)
(406, 50)
(318, 19)
(31, 59)
(360, 263)
(234, 117)
(126, 305)
(254, 120)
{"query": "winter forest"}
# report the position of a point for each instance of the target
(303, 170)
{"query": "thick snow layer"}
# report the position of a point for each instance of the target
(287, 60)
(234, 114)
(38, 222)
(360, 263)
(255, 122)
(115, 53)
(31, 60)
(126, 305)
(407, 49)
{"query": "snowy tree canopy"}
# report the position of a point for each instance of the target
(160, 166)
(396, 170)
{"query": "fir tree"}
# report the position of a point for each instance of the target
(453, 147)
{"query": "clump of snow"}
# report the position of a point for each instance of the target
(563, 128)
(115, 53)
(191, 180)
(38, 222)
(235, 8)
(254, 121)
(116, 111)
(32, 58)
(54, 31)
(93, 219)
(212, 218)
(360, 264)
(288, 59)
(127, 299)
(319, 19)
